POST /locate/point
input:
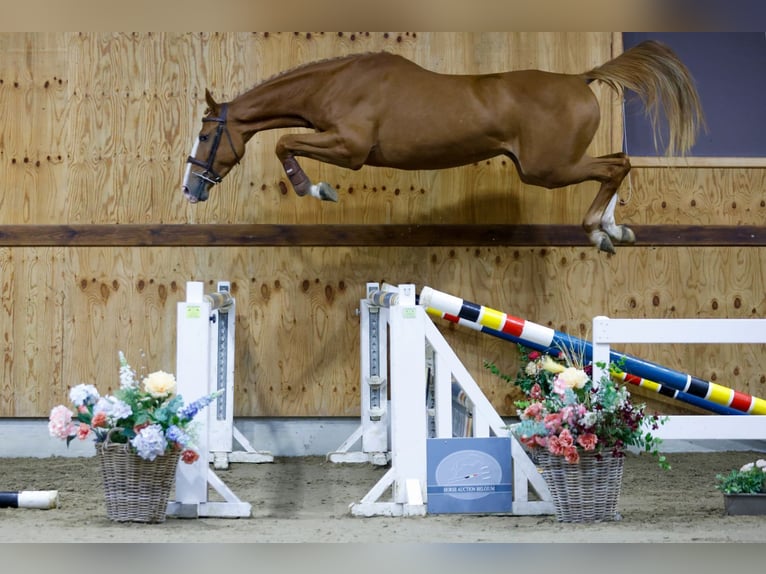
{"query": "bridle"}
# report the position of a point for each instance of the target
(209, 175)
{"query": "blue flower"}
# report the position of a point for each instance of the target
(150, 442)
(190, 411)
(177, 434)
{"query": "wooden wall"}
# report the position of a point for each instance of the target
(94, 133)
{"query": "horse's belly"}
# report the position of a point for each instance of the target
(420, 153)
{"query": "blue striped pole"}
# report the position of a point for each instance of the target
(716, 398)
(556, 352)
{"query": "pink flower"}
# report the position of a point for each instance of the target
(587, 440)
(60, 422)
(566, 439)
(533, 441)
(83, 431)
(553, 422)
(559, 386)
(566, 414)
(99, 419)
(571, 455)
(533, 411)
(536, 392)
(534, 355)
(554, 446)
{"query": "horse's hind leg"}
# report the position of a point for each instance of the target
(599, 222)
(610, 170)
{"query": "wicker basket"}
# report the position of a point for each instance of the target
(135, 490)
(586, 491)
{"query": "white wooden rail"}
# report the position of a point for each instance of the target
(607, 331)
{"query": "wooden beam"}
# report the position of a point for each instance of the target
(309, 235)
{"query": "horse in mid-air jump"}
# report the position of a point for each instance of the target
(380, 109)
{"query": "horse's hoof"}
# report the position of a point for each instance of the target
(325, 192)
(606, 245)
(627, 235)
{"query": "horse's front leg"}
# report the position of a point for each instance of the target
(302, 184)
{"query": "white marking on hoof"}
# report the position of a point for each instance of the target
(324, 192)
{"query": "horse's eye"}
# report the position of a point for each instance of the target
(203, 138)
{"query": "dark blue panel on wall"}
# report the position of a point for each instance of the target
(729, 69)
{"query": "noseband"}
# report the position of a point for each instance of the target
(209, 175)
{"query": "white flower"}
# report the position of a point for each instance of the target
(113, 408)
(589, 419)
(761, 463)
(83, 395)
(531, 369)
(746, 467)
(160, 384)
(127, 374)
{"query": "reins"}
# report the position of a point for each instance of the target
(209, 175)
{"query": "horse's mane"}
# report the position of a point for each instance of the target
(300, 67)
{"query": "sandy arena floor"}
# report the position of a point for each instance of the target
(307, 500)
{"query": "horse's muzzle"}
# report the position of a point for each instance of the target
(197, 193)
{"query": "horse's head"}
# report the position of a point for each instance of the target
(216, 150)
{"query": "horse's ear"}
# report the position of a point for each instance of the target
(211, 103)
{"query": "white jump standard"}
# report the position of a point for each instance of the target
(205, 363)
(414, 343)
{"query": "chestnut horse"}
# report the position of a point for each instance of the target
(380, 109)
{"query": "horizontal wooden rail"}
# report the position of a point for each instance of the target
(358, 235)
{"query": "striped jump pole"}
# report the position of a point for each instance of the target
(41, 499)
(625, 377)
(721, 400)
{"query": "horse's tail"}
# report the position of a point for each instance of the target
(655, 73)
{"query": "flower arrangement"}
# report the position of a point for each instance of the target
(147, 414)
(748, 479)
(568, 413)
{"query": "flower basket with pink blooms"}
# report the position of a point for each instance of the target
(578, 430)
(141, 431)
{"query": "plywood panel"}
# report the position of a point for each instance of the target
(297, 337)
(96, 127)
(33, 117)
(32, 332)
(704, 196)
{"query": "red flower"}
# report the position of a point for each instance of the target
(534, 355)
(189, 456)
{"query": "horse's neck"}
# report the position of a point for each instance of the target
(281, 101)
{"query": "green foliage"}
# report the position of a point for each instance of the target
(751, 480)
